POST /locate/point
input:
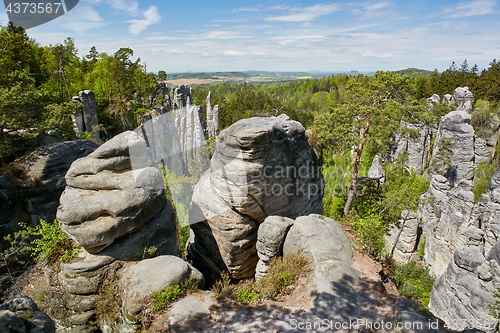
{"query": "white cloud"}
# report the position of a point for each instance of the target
(151, 16)
(473, 8)
(299, 14)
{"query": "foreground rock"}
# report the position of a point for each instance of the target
(250, 179)
(114, 207)
(331, 285)
(154, 275)
(20, 314)
(270, 238)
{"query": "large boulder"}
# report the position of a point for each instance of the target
(154, 275)
(401, 239)
(260, 167)
(331, 285)
(270, 238)
(113, 192)
(456, 125)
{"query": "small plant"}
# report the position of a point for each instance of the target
(282, 274)
(162, 299)
(248, 296)
(50, 242)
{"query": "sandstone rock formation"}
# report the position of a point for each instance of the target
(113, 192)
(181, 96)
(331, 285)
(463, 99)
(212, 118)
(418, 149)
(114, 207)
(20, 314)
(270, 238)
(434, 99)
(376, 170)
(250, 179)
(36, 195)
(447, 98)
(154, 275)
(456, 125)
(84, 120)
(401, 240)
(189, 127)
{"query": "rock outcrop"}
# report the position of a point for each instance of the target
(463, 99)
(331, 285)
(418, 149)
(270, 238)
(154, 275)
(85, 119)
(212, 118)
(260, 167)
(114, 207)
(401, 241)
(376, 170)
(181, 96)
(456, 125)
(35, 194)
(21, 315)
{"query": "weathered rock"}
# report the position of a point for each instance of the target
(189, 127)
(331, 285)
(434, 99)
(270, 238)
(414, 318)
(456, 125)
(188, 309)
(376, 170)
(443, 230)
(154, 275)
(89, 110)
(401, 241)
(418, 149)
(463, 99)
(212, 118)
(37, 196)
(181, 96)
(250, 179)
(21, 314)
(113, 192)
(447, 99)
(11, 323)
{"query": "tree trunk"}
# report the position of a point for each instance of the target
(355, 167)
(64, 77)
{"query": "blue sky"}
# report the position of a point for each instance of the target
(236, 35)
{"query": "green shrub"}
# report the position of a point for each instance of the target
(50, 242)
(421, 247)
(162, 299)
(482, 176)
(413, 281)
(247, 296)
(370, 231)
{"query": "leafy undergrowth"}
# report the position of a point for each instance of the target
(160, 300)
(280, 281)
(413, 281)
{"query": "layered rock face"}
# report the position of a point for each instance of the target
(114, 192)
(39, 198)
(212, 118)
(260, 167)
(181, 96)
(467, 287)
(456, 125)
(86, 119)
(114, 207)
(401, 242)
(418, 150)
(463, 99)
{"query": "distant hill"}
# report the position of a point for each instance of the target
(414, 72)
